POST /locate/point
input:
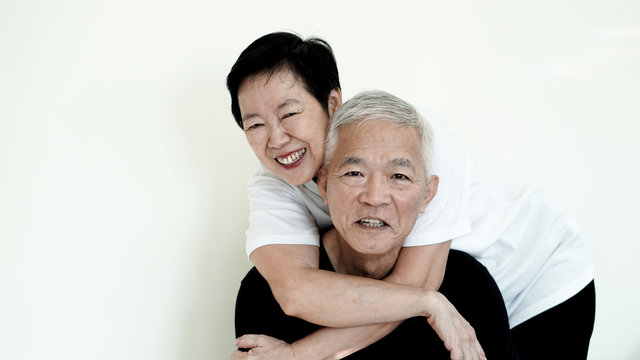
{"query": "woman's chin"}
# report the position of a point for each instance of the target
(295, 176)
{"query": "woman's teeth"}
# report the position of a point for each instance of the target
(373, 223)
(291, 158)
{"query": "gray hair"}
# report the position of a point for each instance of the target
(379, 105)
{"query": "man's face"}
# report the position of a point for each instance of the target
(285, 125)
(375, 185)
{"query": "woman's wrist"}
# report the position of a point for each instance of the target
(305, 349)
(430, 301)
(294, 347)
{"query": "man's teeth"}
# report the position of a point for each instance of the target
(374, 223)
(291, 158)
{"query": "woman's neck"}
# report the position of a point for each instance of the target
(345, 260)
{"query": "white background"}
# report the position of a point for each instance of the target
(122, 172)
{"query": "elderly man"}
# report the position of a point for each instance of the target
(375, 182)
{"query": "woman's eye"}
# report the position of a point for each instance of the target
(288, 115)
(253, 126)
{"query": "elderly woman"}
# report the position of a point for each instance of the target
(375, 182)
(283, 91)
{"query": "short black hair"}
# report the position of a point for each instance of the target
(311, 61)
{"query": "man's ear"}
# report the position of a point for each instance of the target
(432, 189)
(322, 184)
(335, 100)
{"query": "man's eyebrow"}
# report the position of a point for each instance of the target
(402, 162)
(282, 105)
(350, 160)
(397, 162)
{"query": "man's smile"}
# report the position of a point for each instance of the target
(372, 223)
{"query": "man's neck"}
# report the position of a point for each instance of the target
(345, 260)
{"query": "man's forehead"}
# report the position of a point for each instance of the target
(370, 132)
(378, 140)
(392, 162)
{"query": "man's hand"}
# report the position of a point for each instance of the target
(262, 347)
(456, 333)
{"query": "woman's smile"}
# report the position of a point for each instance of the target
(291, 159)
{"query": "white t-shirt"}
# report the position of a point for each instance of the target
(530, 245)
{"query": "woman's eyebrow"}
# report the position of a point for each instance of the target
(286, 103)
(248, 116)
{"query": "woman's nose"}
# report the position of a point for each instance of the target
(278, 136)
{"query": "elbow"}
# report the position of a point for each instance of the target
(290, 308)
(289, 300)
(288, 295)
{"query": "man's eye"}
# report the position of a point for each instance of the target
(400, 177)
(353, 173)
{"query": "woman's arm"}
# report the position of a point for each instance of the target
(335, 300)
(336, 343)
(365, 310)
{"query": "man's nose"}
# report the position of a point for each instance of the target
(278, 136)
(376, 191)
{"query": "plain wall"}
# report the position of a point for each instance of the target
(123, 175)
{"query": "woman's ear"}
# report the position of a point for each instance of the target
(322, 184)
(335, 100)
(430, 193)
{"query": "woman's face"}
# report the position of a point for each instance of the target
(285, 125)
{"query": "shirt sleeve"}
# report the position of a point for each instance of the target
(277, 214)
(447, 216)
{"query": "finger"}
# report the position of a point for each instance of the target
(476, 352)
(456, 353)
(466, 351)
(239, 355)
(476, 349)
(473, 350)
(248, 341)
(481, 354)
(471, 353)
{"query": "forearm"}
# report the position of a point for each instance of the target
(337, 343)
(336, 300)
(421, 266)
(258, 313)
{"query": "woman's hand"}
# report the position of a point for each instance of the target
(262, 347)
(456, 333)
